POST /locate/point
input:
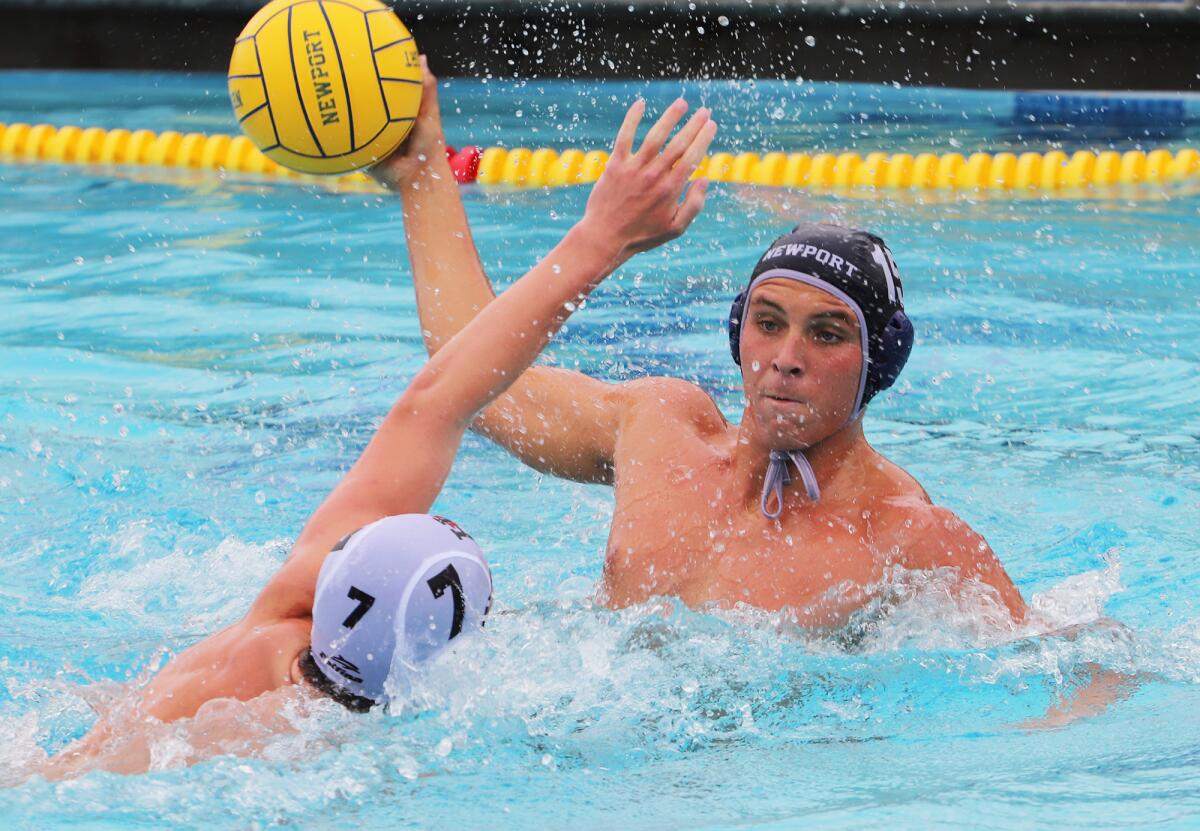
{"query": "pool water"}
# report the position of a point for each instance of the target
(188, 364)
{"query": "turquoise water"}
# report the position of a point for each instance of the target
(188, 364)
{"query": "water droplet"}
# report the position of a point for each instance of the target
(810, 40)
(723, 20)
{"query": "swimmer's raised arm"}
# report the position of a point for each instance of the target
(554, 420)
(635, 206)
(452, 287)
(450, 282)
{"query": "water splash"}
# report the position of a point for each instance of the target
(204, 589)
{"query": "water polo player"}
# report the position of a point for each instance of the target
(338, 616)
(791, 507)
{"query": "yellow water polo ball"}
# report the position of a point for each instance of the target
(325, 86)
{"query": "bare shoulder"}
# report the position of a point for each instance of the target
(273, 644)
(672, 399)
(937, 537)
(242, 661)
(893, 484)
(925, 536)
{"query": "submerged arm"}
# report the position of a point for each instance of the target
(950, 541)
(1098, 687)
(1103, 688)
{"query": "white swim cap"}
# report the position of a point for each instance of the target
(404, 586)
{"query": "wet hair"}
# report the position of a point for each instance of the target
(321, 682)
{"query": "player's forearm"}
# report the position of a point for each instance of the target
(484, 358)
(638, 204)
(450, 282)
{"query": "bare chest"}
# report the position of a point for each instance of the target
(678, 529)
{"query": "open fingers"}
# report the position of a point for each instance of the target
(696, 149)
(623, 146)
(662, 128)
(691, 206)
(681, 141)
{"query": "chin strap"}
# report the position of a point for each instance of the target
(778, 476)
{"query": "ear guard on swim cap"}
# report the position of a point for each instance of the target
(735, 327)
(893, 348)
(395, 593)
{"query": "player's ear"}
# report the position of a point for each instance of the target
(295, 674)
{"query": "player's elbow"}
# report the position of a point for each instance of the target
(423, 405)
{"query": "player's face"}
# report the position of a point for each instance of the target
(801, 361)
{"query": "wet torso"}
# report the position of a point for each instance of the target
(685, 525)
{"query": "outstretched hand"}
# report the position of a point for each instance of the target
(424, 144)
(639, 201)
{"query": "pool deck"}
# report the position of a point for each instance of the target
(1069, 44)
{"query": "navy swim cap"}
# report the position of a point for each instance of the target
(856, 268)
